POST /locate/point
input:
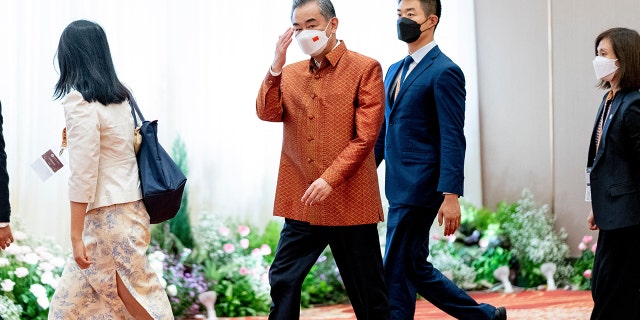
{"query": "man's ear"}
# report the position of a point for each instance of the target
(334, 25)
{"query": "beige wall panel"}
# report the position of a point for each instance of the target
(527, 138)
(514, 100)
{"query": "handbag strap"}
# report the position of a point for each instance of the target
(135, 110)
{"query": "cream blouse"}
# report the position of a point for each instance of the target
(103, 164)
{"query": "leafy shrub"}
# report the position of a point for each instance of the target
(29, 272)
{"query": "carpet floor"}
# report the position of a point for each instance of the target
(524, 305)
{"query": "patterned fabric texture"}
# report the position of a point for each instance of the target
(331, 119)
(116, 238)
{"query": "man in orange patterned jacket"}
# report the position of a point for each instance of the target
(331, 107)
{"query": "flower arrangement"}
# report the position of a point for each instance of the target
(182, 281)
(534, 240)
(235, 261)
(584, 264)
(520, 236)
(453, 261)
(9, 310)
(29, 273)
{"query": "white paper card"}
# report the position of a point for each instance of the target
(47, 164)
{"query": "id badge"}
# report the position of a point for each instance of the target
(47, 164)
(587, 178)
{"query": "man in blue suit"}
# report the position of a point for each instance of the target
(423, 143)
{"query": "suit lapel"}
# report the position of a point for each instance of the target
(615, 105)
(422, 66)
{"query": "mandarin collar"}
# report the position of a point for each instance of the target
(332, 57)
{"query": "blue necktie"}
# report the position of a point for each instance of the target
(405, 67)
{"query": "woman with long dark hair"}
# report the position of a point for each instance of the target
(109, 276)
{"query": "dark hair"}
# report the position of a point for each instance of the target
(431, 7)
(85, 65)
(626, 46)
(326, 7)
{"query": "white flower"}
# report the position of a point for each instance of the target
(19, 235)
(4, 262)
(265, 249)
(43, 302)
(21, 272)
(7, 285)
(57, 262)
(31, 258)
(157, 267)
(244, 243)
(163, 282)
(46, 266)
(172, 290)
(157, 256)
(44, 253)
(38, 290)
(48, 278)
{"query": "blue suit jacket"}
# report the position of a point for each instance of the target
(422, 138)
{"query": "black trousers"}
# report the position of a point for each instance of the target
(356, 250)
(615, 282)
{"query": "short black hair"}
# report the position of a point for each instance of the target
(85, 64)
(626, 46)
(326, 7)
(431, 7)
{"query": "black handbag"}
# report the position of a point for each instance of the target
(161, 179)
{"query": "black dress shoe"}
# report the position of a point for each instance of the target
(501, 314)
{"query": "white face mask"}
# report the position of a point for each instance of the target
(605, 68)
(312, 42)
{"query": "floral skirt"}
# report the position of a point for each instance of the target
(116, 239)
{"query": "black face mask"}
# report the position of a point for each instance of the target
(409, 30)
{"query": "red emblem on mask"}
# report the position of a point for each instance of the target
(316, 38)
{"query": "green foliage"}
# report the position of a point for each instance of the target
(180, 225)
(534, 240)
(489, 261)
(30, 270)
(323, 284)
(453, 259)
(183, 281)
(234, 263)
(583, 265)
(9, 310)
(271, 236)
(474, 218)
(520, 235)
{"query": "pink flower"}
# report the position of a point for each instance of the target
(244, 243)
(244, 231)
(587, 239)
(435, 236)
(483, 243)
(243, 271)
(593, 247)
(582, 246)
(265, 249)
(451, 238)
(587, 274)
(256, 252)
(224, 231)
(228, 247)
